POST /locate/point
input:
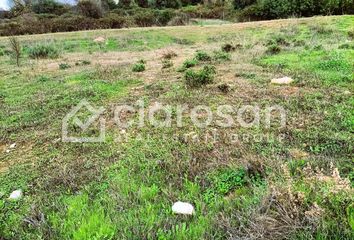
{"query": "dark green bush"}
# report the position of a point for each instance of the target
(139, 66)
(199, 78)
(63, 66)
(202, 56)
(189, 63)
(273, 49)
(43, 51)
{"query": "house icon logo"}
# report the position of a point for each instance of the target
(71, 119)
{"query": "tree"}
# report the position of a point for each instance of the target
(16, 48)
(48, 6)
(90, 8)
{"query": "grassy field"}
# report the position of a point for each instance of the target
(297, 186)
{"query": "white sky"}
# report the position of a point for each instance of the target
(3, 4)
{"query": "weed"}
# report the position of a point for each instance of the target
(222, 56)
(43, 78)
(227, 47)
(202, 56)
(63, 66)
(82, 63)
(169, 55)
(346, 46)
(139, 66)
(167, 64)
(273, 49)
(223, 182)
(199, 78)
(225, 88)
(188, 64)
(43, 51)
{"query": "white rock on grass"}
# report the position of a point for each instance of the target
(183, 208)
(99, 40)
(12, 146)
(16, 195)
(282, 81)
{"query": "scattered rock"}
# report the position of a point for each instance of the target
(282, 81)
(99, 40)
(347, 92)
(183, 208)
(12, 146)
(16, 195)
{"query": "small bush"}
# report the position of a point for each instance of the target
(273, 49)
(63, 66)
(189, 63)
(43, 51)
(82, 63)
(222, 56)
(43, 78)
(223, 182)
(202, 56)
(199, 78)
(346, 46)
(225, 88)
(139, 66)
(228, 48)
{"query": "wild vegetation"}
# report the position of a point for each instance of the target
(272, 182)
(43, 16)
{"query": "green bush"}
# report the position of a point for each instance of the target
(222, 56)
(139, 66)
(63, 66)
(43, 51)
(202, 56)
(189, 63)
(199, 78)
(273, 49)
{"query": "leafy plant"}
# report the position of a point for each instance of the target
(202, 56)
(139, 66)
(273, 49)
(63, 66)
(202, 77)
(223, 182)
(43, 51)
(222, 56)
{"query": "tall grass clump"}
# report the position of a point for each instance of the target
(199, 78)
(42, 51)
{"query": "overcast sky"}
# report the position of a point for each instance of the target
(4, 4)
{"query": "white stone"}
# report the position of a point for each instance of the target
(16, 195)
(12, 146)
(99, 40)
(183, 208)
(284, 80)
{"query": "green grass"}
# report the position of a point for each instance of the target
(125, 189)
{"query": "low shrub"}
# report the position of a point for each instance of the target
(273, 49)
(63, 66)
(43, 51)
(189, 63)
(222, 56)
(228, 47)
(139, 66)
(202, 56)
(199, 78)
